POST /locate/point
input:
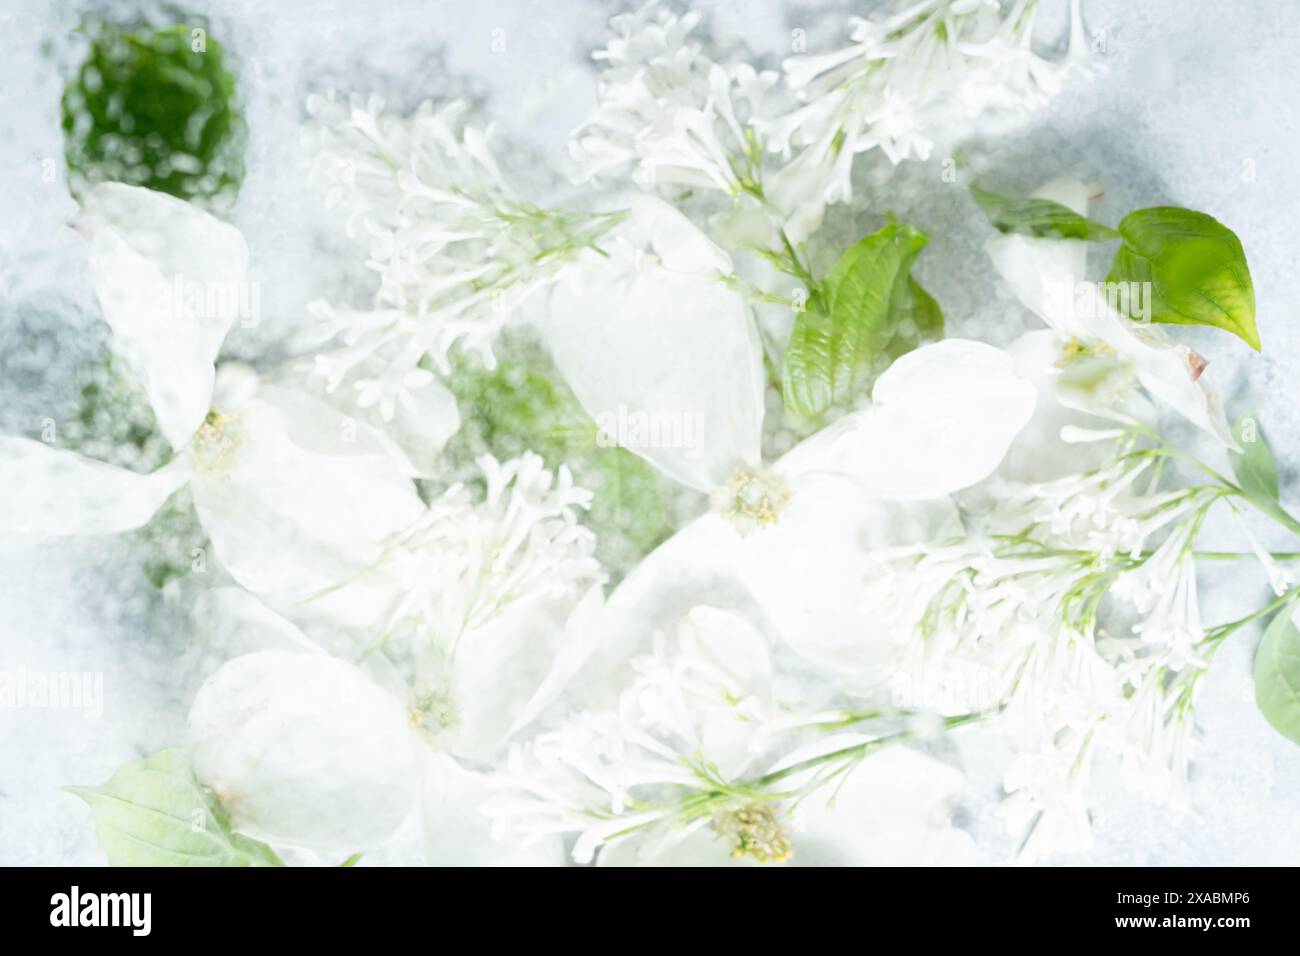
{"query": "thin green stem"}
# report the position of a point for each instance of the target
(1217, 634)
(857, 751)
(800, 270)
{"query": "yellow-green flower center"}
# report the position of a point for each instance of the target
(753, 499)
(434, 715)
(1076, 349)
(214, 446)
(755, 831)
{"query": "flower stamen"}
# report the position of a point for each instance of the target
(755, 831)
(752, 499)
(214, 446)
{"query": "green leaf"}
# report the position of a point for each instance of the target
(1039, 217)
(1277, 675)
(1195, 266)
(516, 408)
(148, 109)
(1256, 473)
(913, 304)
(867, 312)
(153, 812)
(1254, 467)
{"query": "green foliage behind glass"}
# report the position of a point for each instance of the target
(149, 109)
(522, 405)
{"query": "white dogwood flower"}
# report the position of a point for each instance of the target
(663, 776)
(1102, 349)
(479, 615)
(651, 330)
(306, 749)
(653, 334)
(294, 495)
(893, 809)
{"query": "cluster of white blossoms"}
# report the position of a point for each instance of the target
(984, 540)
(1055, 615)
(933, 66)
(789, 139)
(457, 252)
(665, 107)
(466, 560)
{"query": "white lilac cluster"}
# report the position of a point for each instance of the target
(420, 668)
(927, 69)
(665, 107)
(464, 561)
(789, 139)
(456, 251)
(1058, 616)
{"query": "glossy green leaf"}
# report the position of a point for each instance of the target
(1039, 217)
(1196, 268)
(867, 312)
(1277, 675)
(153, 812)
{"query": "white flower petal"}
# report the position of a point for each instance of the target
(1042, 272)
(890, 810)
(803, 577)
(697, 846)
(799, 191)
(424, 414)
(663, 355)
(1167, 371)
(674, 239)
(169, 278)
(583, 631)
(300, 511)
(236, 384)
(304, 750)
(326, 428)
(731, 650)
(425, 419)
(500, 670)
(1039, 453)
(807, 572)
(53, 491)
(697, 565)
(944, 416)
(457, 833)
(232, 622)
